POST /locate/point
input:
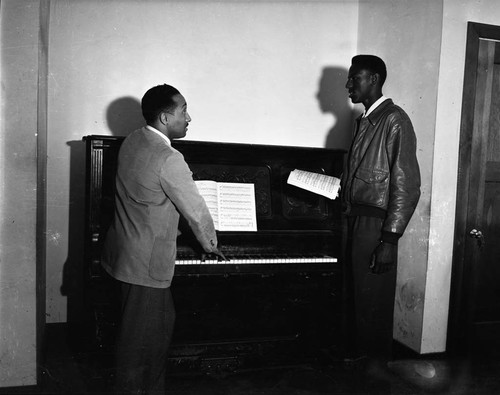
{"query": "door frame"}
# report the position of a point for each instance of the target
(462, 289)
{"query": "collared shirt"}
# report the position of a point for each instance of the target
(167, 140)
(375, 105)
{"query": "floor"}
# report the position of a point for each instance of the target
(70, 368)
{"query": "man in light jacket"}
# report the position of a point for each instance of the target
(154, 186)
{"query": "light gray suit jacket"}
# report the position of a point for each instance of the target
(153, 186)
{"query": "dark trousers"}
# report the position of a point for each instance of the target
(368, 298)
(145, 332)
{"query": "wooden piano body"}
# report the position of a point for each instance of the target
(232, 315)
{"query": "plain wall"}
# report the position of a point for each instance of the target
(18, 191)
(251, 72)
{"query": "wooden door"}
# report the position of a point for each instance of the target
(475, 298)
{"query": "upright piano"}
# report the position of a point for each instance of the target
(278, 298)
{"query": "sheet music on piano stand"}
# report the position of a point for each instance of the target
(232, 205)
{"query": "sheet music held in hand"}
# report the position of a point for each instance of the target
(232, 205)
(314, 182)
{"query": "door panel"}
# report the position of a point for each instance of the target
(475, 298)
(487, 307)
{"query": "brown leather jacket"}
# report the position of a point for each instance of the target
(382, 177)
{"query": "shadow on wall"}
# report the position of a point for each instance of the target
(333, 99)
(124, 115)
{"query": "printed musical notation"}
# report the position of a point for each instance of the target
(232, 205)
(314, 182)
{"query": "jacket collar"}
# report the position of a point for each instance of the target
(375, 116)
(152, 129)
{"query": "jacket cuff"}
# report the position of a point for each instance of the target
(390, 237)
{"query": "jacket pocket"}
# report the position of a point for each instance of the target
(162, 262)
(370, 186)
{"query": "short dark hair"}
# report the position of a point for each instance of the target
(372, 63)
(158, 99)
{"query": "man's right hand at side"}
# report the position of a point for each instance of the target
(383, 258)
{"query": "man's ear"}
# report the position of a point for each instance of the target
(163, 118)
(375, 77)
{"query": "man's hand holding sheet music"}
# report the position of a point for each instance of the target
(321, 184)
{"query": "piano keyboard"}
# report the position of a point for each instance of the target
(257, 260)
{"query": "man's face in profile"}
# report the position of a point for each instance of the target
(178, 119)
(359, 84)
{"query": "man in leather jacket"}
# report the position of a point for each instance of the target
(380, 188)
